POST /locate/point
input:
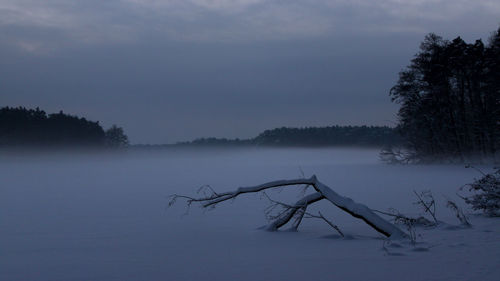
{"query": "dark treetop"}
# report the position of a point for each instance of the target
(33, 127)
(450, 99)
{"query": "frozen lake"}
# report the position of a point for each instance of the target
(104, 217)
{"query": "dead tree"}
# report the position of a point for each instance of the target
(356, 210)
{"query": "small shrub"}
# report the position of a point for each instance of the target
(486, 194)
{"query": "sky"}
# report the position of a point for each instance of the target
(176, 70)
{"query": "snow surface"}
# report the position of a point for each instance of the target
(104, 217)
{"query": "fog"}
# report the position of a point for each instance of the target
(104, 216)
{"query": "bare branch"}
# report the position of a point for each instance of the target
(399, 218)
(320, 216)
(204, 187)
(458, 213)
(427, 202)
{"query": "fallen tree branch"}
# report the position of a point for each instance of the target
(344, 203)
(299, 208)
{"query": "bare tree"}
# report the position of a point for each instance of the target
(298, 210)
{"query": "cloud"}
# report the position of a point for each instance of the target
(123, 21)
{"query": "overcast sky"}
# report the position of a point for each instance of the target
(175, 70)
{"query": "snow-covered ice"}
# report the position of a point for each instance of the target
(104, 217)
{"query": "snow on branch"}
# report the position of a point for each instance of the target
(346, 204)
(215, 198)
(296, 210)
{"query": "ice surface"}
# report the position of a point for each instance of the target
(104, 217)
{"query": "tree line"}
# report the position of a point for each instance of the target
(450, 99)
(329, 136)
(34, 127)
(377, 136)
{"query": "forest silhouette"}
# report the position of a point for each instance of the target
(34, 127)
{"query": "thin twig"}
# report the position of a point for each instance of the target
(320, 216)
